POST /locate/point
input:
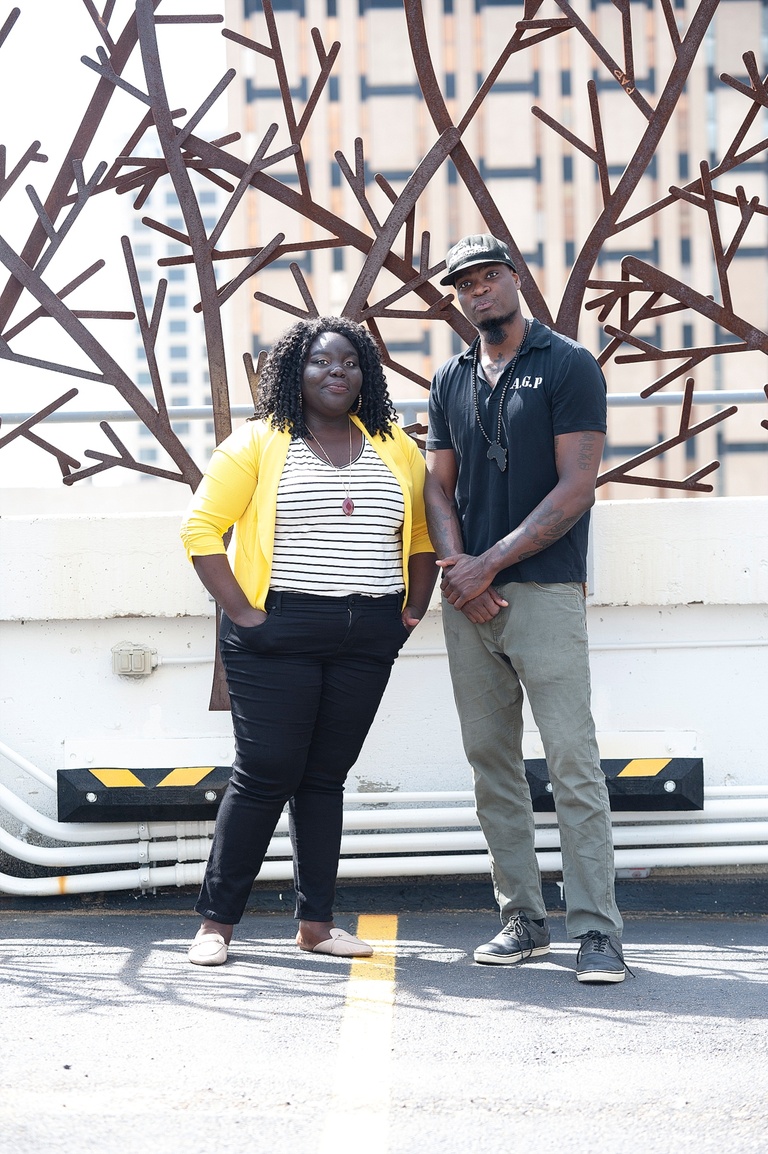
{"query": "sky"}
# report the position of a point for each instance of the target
(44, 90)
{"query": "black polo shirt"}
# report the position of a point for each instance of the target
(557, 387)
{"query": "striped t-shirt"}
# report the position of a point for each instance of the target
(320, 550)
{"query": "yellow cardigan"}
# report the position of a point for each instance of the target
(240, 488)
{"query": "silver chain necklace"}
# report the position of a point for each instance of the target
(347, 505)
(496, 451)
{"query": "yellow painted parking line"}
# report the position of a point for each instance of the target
(359, 1108)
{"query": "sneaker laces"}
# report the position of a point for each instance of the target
(518, 927)
(601, 944)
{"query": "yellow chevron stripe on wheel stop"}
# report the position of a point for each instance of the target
(191, 776)
(118, 778)
(644, 767)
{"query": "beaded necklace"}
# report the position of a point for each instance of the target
(496, 451)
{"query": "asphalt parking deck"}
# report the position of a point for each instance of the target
(112, 1042)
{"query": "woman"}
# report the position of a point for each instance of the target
(332, 569)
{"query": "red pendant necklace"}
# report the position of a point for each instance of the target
(347, 505)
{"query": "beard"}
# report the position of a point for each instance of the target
(494, 331)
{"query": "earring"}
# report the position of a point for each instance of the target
(355, 410)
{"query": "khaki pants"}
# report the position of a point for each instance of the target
(537, 645)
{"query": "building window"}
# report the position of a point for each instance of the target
(179, 377)
(178, 352)
(177, 326)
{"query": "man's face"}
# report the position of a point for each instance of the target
(488, 294)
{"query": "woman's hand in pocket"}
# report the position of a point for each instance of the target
(249, 618)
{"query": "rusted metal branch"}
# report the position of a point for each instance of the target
(620, 74)
(8, 24)
(311, 309)
(124, 459)
(79, 148)
(326, 61)
(262, 258)
(357, 182)
(426, 272)
(685, 432)
(570, 308)
(61, 294)
(259, 162)
(31, 156)
(56, 235)
(148, 329)
(101, 23)
(465, 166)
(669, 16)
(24, 427)
(110, 371)
(105, 69)
(387, 234)
(198, 239)
(253, 372)
(205, 107)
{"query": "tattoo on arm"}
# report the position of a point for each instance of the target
(589, 450)
(444, 529)
(549, 522)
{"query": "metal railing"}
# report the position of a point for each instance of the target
(408, 410)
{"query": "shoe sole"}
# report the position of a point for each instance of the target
(601, 976)
(509, 959)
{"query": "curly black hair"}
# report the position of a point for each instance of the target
(279, 396)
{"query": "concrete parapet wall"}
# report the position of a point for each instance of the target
(678, 619)
(681, 552)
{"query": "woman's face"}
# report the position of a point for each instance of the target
(332, 378)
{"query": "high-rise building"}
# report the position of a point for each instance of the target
(548, 190)
(180, 348)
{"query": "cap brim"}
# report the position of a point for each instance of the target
(451, 279)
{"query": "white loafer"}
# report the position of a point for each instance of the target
(342, 945)
(208, 950)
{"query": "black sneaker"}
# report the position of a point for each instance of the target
(600, 958)
(520, 939)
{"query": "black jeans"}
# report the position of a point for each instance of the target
(304, 687)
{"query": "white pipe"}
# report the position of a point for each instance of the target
(619, 646)
(372, 843)
(192, 849)
(422, 817)
(446, 796)
(143, 878)
(191, 874)
(460, 841)
(100, 831)
(22, 763)
(594, 647)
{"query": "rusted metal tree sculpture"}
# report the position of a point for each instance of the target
(643, 293)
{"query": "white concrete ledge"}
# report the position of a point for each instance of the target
(649, 552)
(709, 551)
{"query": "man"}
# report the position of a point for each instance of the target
(516, 430)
